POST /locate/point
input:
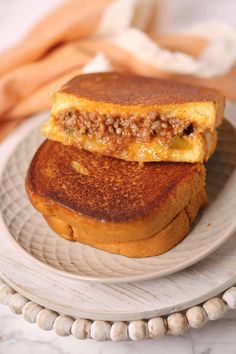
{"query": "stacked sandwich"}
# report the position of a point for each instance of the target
(123, 169)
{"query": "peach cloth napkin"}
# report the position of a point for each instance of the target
(67, 40)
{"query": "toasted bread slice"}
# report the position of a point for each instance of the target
(136, 118)
(157, 244)
(122, 201)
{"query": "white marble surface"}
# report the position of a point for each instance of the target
(19, 337)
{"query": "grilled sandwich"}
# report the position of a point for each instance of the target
(136, 118)
(114, 205)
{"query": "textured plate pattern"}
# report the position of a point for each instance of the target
(31, 232)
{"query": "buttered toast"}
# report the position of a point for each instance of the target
(102, 201)
(136, 118)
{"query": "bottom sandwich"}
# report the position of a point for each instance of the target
(114, 205)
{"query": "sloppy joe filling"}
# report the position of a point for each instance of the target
(121, 130)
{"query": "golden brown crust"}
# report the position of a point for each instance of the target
(128, 89)
(197, 202)
(117, 93)
(155, 245)
(131, 200)
(135, 118)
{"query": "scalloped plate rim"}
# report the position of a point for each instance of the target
(22, 132)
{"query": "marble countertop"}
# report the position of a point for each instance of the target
(18, 336)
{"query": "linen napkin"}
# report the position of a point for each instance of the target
(105, 35)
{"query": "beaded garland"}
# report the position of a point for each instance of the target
(175, 324)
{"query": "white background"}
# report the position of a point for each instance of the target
(19, 337)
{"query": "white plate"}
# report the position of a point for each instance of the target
(33, 237)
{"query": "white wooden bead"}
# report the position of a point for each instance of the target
(45, 319)
(81, 328)
(100, 330)
(119, 332)
(230, 297)
(215, 308)
(17, 302)
(196, 317)
(5, 294)
(62, 325)
(177, 324)
(30, 311)
(157, 327)
(138, 330)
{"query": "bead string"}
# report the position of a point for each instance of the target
(175, 324)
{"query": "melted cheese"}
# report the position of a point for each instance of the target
(184, 149)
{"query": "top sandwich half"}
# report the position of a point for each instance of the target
(136, 118)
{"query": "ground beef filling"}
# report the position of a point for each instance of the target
(120, 130)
